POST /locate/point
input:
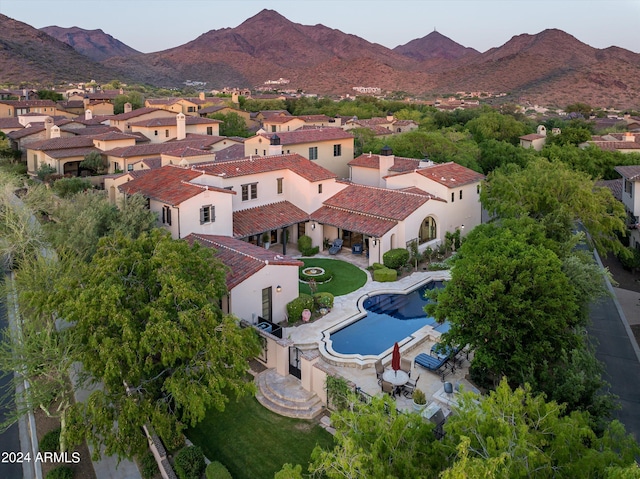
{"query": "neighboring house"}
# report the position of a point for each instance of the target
(627, 142)
(37, 132)
(631, 199)
(62, 154)
(124, 120)
(372, 170)
(186, 106)
(11, 108)
(160, 130)
(331, 148)
(259, 282)
(535, 140)
(279, 123)
(8, 125)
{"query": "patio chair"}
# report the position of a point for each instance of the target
(356, 248)
(379, 370)
(336, 246)
(405, 365)
(387, 387)
(408, 388)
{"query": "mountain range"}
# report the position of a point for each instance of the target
(550, 68)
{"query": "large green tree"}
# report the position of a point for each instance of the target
(516, 434)
(509, 301)
(147, 325)
(232, 124)
(495, 126)
(557, 197)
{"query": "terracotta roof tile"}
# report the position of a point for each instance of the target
(171, 121)
(616, 145)
(168, 184)
(532, 136)
(451, 174)
(379, 202)
(230, 153)
(62, 143)
(154, 149)
(353, 221)
(309, 135)
(400, 164)
(18, 134)
(69, 152)
(114, 134)
(138, 112)
(243, 259)
(260, 164)
(10, 123)
(257, 220)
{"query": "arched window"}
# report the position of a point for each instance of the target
(428, 229)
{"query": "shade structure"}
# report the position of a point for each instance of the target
(395, 357)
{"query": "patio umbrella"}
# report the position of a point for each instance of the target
(395, 357)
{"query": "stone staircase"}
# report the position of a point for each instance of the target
(284, 395)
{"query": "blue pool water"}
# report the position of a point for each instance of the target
(390, 318)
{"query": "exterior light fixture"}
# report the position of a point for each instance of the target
(375, 241)
(278, 289)
(313, 225)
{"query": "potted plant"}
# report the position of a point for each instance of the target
(266, 239)
(419, 400)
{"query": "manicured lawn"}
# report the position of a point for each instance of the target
(255, 443)
(346, 277)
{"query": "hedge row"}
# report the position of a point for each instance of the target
(395, 258)
(322, 278)
(384, 275)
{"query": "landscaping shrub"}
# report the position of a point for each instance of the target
(385, 275)
(630, 259)
(435, 266)
(323, 278)
(295, 307)
(304, 246)
(45, 170)
(50, 442)
(189, 463)
(66, 187)
(377, 266)
(323, 300)
(395, 258)
(62, 472)
(148, 465)
(173, 442)
(217, 470)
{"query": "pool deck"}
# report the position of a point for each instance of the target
(362, 373)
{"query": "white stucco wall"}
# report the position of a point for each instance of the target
(246, 298)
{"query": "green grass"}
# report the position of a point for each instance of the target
(254, 443)
(346, 277)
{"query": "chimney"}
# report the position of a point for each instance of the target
(121, 91)
(386, 160)
(541, 130)
(25, 93)
(88, 114)
(389, 116)
(127, 108)
(201, 96)
(234, 97)
(275, 148)
(55, 131)
(628, 136)
(181, 122)
(48, 123)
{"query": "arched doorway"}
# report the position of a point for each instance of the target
(428, 229)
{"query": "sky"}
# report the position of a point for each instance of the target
(155, 25)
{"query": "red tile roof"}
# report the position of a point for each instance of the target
(139, 112)
(28, 103)
(451, 174)
(257, 220)
(400, 164)
(187, 152)
(62, 143)
(380, 202)
(532, 136)
(12, 122)
(230, 153)
(616, 145)
(168, 184)
(309, 135)
(243, 259)
(154, 149)
(17, 134)
(113, 135)
(70, 152)
(260, 164)
(353, 221)
(171, 121)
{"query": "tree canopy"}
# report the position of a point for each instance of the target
(232, 124)
(160, 334)
(558, 198)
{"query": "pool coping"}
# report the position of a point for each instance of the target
(425, 333)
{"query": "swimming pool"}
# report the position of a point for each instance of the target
(390, 318)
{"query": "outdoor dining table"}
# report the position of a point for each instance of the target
(397, 378)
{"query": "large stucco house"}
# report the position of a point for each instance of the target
(630, 196)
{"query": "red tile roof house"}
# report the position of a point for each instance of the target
(260, 282)
(331, 148)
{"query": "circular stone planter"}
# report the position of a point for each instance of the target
(313, 271)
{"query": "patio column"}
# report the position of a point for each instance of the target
(284, 240)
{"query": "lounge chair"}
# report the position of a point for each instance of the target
(435, 365)
(336, 246)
